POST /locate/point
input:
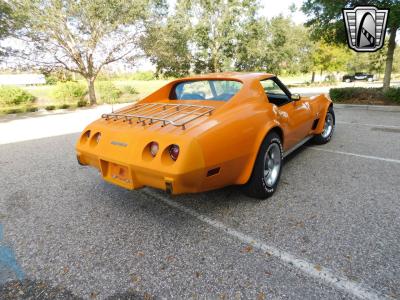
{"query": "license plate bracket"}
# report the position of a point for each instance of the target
(117, 173)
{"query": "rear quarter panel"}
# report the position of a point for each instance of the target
(320, 105)
(232, 143)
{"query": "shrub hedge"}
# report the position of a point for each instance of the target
(359, 93)
(393, 94)
(10, 95)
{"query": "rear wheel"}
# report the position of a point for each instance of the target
(329, 127)
(267, 168)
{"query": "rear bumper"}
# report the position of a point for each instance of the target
(132, 177)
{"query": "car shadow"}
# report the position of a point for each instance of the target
(215, 203)
(229, 196)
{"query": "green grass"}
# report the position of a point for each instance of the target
(291, 79)
(143, 87)
(44, 93)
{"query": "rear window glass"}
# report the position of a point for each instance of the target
(218, 90)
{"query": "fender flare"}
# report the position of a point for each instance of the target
(320, 127)
(262, 134)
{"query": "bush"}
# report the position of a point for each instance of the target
(330, 79)
(129, 89)
(51, 80)
(81, 103)
(393, 94)
(145, 75)
(108, 91)
(69, 91)
(31, 109)
(14, 96)
(365, 95)
(50, 107)
(64, 106)
(343, 94)
(14, 111)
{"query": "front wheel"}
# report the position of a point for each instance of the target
(267, 168)
(329, 127)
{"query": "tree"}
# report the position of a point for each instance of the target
(8, 24)
(166, 43)
(396, 65)
(275, 46)
(200, 36)
(218, 30)
(327, 23)
(82, 36)
(5, 17)
(329, 58)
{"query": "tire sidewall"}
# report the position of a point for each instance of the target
(276, 140)
(329, 137)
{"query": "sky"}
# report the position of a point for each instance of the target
(273, 8)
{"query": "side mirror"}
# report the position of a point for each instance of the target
(296, 97)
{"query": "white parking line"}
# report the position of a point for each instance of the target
(369, 125)
(355, 154)
(318, 272)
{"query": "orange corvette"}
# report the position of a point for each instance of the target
(205, 132)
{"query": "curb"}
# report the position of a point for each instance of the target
(368, 107)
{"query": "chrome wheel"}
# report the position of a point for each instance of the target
(328, 127)
(272, 164)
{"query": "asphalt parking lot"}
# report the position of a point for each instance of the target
(331, 231)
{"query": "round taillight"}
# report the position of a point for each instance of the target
(174, 151)
(97, 137)
(153, 148)
(85, 137)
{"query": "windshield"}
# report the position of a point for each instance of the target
(218, 90)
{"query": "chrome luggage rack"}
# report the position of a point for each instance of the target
(169, 114)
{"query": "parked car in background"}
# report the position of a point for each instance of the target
(358, 76)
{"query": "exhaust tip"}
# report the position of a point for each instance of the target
(168, 187)
(79, 161)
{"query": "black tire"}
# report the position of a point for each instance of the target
(323, 137)
(257, 186)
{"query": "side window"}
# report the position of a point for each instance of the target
(274, 92)
(270, 87)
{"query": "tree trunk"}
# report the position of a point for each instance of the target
(92, 93)
(313, 77)
(389, 58)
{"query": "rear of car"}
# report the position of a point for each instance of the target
(153, 143)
